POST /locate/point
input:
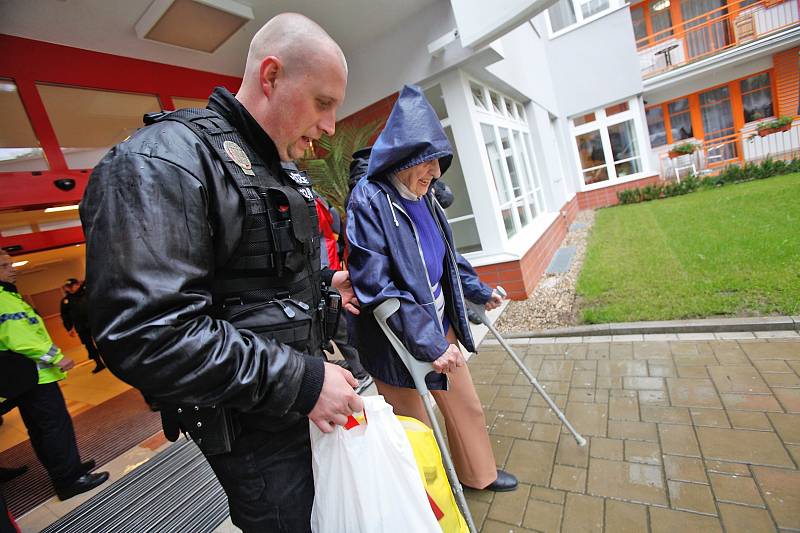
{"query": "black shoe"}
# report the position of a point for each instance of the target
(474, 317)
(83, 484)
(88, 466)
(505, 482)
(99, 367)
(7, 474)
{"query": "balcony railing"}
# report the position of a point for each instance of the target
(746, 146)
(723, 28)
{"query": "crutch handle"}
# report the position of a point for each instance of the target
(418, 369)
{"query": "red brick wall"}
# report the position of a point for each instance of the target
(607, 196)
(519, 278)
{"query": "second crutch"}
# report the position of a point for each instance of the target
(481, 312)
(420, 369)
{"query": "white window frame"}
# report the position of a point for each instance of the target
(510, 116)
(580, 20)
(602, 122)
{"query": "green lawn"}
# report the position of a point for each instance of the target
(730, 251)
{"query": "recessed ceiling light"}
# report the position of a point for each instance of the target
(196, 24)
(61, 208)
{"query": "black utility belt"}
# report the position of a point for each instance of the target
(286, 320)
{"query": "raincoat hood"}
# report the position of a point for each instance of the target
(412, 135)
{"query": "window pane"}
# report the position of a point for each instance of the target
(618, 108)
(495, 103)
(465, 236)
(590, 149)
(660, 19)
(584, 119)
(493, 152)
(623, 140)
(639, 26)
(520, 112)
(680, 119)
(88, 122)
(561, 15)
(592, 7)
(532, 205)
(757, 97)
(595, 175)
(512, 167)
(477, 96)
(628, 167)
(509, 108)
(435, 97)
(508, 219)
(656, 126)
(189, 103)
(523, 215)
(19, 147)
(522, 150)
(454, 177)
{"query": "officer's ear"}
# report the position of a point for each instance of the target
(271, 69)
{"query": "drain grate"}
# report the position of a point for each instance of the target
(561, 260)
(174, 491)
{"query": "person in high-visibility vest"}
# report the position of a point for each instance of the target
(42, 407)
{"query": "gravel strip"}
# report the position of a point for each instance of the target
(553, 303)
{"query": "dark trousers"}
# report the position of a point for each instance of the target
(91, 347)
(268, 480)
(349, 352)
(52, 436)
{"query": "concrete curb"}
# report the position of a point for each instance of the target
(709, 325)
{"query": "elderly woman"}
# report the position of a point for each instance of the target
(401, 247)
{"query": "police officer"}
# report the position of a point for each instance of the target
(75, 317)
(204, 273)
(42, 407)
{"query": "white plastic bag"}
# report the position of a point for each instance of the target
(366, 479)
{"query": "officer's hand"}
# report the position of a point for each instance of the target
(66, 363)
(337, 400)
(494, 302)
(341, 282)
(449, 360)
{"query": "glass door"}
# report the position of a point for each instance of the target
(706, 26)
(717, 116)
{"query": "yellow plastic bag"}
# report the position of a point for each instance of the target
(434, 477)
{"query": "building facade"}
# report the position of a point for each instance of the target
(551, 109)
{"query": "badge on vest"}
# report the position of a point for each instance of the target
(306, 192)
(299, 178)
(239, 157)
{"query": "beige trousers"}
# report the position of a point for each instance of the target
(469, 442)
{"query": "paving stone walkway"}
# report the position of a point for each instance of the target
(684, 435)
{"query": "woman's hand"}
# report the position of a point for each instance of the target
(341, 282)
(494, 302)
(449, 360)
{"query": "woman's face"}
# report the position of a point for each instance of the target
(418, 178)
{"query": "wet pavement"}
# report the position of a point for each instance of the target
(696, 435)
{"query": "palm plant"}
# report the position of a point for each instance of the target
(330, 173)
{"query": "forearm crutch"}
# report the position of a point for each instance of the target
(419, 370)
(481, 312)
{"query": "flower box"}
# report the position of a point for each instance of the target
(763, 132)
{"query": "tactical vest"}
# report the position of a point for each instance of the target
(271, 283)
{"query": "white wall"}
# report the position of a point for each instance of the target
(526, 67)
(384, 65)
(595, 64)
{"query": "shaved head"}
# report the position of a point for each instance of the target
(299, 42)
(294, 81)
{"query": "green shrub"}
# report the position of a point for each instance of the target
(730, 174)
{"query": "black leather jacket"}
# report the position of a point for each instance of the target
(160, 216)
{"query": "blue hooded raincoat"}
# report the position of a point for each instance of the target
(386, 260)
